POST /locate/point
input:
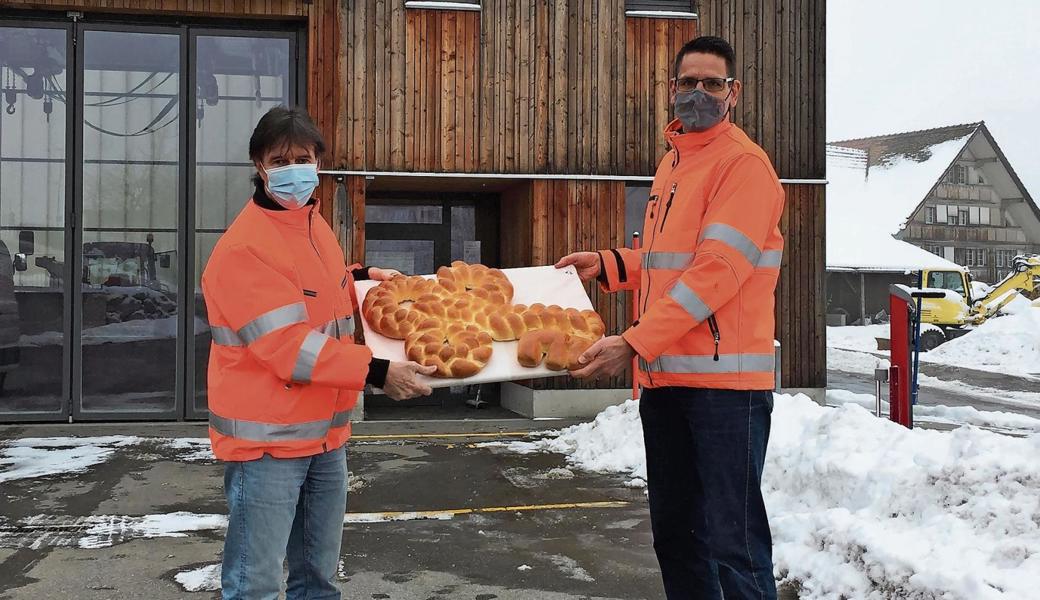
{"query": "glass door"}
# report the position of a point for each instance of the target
(34, 233)
(416, 233)
(101, 311)
(129, 206)
(237, 77)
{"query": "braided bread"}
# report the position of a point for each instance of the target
(389, 307)
(456, 349)
(451, 322)
(558, 336)
(489, 284)
(559, 350)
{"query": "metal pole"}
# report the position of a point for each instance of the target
(862, 299)
(880, 377)
(635, 317)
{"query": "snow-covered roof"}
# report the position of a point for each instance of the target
(875, 185)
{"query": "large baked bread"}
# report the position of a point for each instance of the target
(452, 321)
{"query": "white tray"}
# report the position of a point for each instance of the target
(531, 285)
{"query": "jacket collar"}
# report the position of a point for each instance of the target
(684, 142)
(299, 219)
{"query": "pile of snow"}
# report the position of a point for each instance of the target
(202, 579)
(612, 443)
(863, 508)
(38, 457)
(1008, 344)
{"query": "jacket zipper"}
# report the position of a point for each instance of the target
(650, 249)
(668, 205)
(713, 325)
(310, 238)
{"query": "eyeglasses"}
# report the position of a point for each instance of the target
(711, 84)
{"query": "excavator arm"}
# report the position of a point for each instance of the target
(1023, 277)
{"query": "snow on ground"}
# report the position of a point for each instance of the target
(951, 415)
(616, 429)
(861, 338)
(128, 331)
(38, 457)
(860, 362)
(191, 449)
(863, 508)
(108, 530)
(202, 579)
(1008, 344)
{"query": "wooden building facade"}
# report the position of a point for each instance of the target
(509, 131)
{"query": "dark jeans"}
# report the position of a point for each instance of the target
(705, 450)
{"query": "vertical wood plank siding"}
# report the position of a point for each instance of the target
(537, 86)
(780, 47)
(551, 218)
(525, 86)
(800, 297)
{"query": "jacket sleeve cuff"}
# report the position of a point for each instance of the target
(611, 271)
(377, 370)
(360, 274)
(633, 335)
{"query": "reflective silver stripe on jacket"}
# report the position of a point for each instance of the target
(706, 364)
(667, 260)
(276, 432)
(308, 356)
(225, 336)
(690, 301)
(734, 238)
(274, 320)
(771, 259)
(343, 327)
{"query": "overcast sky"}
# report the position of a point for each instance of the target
(900, 65)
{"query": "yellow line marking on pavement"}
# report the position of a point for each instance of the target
(410, 436)
(377, 517)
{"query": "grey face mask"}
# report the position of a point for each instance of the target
(699, 110)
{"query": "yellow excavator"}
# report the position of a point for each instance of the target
(958, 312)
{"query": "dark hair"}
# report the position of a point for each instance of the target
(283, 126)
(709, 44)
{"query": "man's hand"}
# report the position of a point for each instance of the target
(401, 383)
(587, 264)
(377, 274)
(606, 358)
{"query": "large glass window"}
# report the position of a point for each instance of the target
(946, 280)
(100, 262)
(33, 149)
(238, 79)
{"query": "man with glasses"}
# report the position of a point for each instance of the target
(707, 276)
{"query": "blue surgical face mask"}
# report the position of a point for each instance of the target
(699, 110)
(291, 186)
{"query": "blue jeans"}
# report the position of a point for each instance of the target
(705, 450)
(284, 507)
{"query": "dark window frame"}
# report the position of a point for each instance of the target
(647, 8)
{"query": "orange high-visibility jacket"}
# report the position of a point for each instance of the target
(284, 371)
(709, 264)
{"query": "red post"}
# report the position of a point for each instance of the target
(635, 315)
(899, 338)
